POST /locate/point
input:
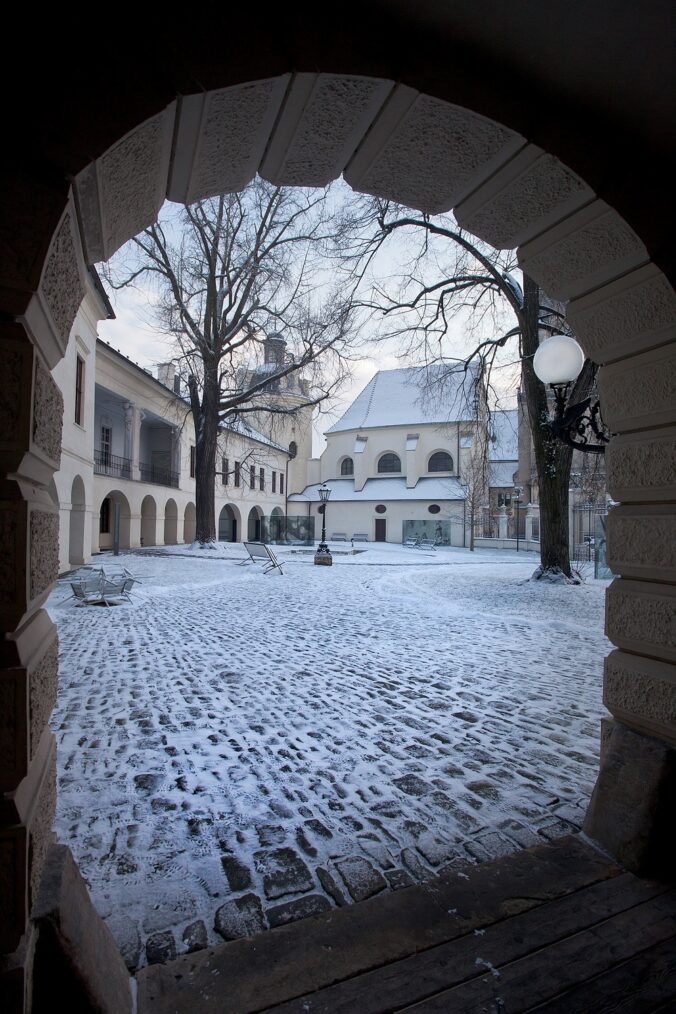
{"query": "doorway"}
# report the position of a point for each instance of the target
(381, 529)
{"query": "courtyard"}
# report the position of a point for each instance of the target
(238, 751)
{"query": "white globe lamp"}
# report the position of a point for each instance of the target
(558, 360)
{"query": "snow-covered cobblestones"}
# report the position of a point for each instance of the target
(239, 750)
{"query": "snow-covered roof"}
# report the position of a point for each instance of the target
(410, 396)
(243, 429)
(382, 488)
(505, 429)
(502, 473)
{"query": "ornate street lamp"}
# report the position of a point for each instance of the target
(558, 362)
(323, 554)
(518, 490)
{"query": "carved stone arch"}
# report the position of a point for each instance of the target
(578, 194)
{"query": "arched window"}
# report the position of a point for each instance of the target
(347, 466)
(441, 461)
(293, 448)
(389, 462)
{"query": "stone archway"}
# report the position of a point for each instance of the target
(392, 131)
(76, 527)
(170, 522)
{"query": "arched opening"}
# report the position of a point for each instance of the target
(229, 524)
(114, 521)
(170, 523)
(440, 461)
(76, 528)
(518, 210)
(189, 523)
(276, 524)
(148, 521)
(254, 524)
(389, 462)
(347, 466)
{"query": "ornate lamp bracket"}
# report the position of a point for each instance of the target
(579, 426)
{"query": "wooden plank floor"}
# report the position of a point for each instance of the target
(557, 928)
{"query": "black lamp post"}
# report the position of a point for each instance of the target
(518, 490)
(323, 554)
(558, 362)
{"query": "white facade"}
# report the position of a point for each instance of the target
(128, 456)
(396, 460)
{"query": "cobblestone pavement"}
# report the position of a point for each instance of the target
(238, 751)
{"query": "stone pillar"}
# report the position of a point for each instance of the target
(502, 525)
(532, 514)
(30, 422)
(629, 325)
(138, 417)
(129, 430)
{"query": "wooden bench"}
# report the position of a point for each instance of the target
(259, 552)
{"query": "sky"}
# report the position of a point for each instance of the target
(134, 332)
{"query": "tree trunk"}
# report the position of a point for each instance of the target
(552, 458)
(206, 440)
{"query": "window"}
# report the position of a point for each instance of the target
(106, 440)
(79, 390)
(465, 439)
(237, 479)
(274, 482)
(225, 465)
(293, 448)
(192, 462)
(380, 508)
(261, 478)
(281, 483)
(252, 477)
(504, 499)
(347, 466)
(434, 508)
(389, 463)
(441, 461)
(104, 517)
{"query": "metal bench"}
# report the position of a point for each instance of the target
(426, 544)
(338, 537)
(101, 589)
(259, 552)
(360, 537)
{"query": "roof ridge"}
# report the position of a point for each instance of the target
(374, 382)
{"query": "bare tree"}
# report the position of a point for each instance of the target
(451, 279)
(229, 271)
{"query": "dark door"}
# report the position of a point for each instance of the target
(381, 529)
(234, 530)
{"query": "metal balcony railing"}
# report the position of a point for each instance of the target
(158, 476)
(106, 463)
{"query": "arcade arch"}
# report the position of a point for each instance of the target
(170, 522)
(76, 527)
(113, 504)
(189, 523)
(229, 524)
(148, 521)
(254, 524)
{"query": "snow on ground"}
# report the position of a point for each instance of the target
(238, 750)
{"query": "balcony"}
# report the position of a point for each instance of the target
(158, 476)
(106, 463)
